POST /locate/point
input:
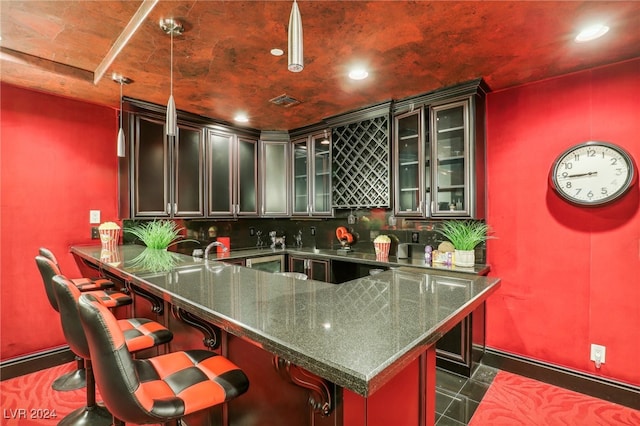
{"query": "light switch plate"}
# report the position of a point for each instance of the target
(94, 216)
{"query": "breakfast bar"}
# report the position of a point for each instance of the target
(358, 353)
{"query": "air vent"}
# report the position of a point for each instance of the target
(284, 100)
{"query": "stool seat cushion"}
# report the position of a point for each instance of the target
(87, 284)
(180, 383)
(112, 298)
(143, 333)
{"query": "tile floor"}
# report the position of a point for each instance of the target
(457, 397)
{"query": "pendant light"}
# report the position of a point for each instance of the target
(122, 80)
(296, 54)
(171, 27)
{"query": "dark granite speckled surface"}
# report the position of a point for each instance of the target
(357, 334)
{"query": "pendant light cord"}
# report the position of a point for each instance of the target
(121, 82)
(171, 31)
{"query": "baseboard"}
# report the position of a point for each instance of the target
(606, 389)
(34, 362)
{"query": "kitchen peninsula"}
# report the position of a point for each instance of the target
(358, 353)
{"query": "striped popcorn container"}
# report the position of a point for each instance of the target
(109, 236)
(382, 250)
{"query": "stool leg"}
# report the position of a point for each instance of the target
(91, 414)
(73, 380)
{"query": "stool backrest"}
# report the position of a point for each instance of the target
(48, 270)
(43, 251)
(67, 295)
(113, 366)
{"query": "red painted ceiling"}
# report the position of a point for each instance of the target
(222, 63)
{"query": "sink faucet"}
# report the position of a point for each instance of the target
(214, 244)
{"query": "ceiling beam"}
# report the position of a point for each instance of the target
(14, 56)
(134, 23)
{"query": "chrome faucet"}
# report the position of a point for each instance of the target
(214, 244)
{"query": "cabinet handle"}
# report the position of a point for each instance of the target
(175, 208)
(432, 205)
(168, 211)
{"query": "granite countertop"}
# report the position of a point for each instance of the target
(358, 334)
(352, 256)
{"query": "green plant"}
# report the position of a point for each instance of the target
(464, 234)
(157, 234)
(154, 260)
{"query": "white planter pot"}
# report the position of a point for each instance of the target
(464, 258)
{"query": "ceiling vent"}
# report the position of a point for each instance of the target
(285, 101)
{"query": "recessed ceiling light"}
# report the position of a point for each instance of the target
(277, 52)
(358, 74)
(241, 118)
(591, 33)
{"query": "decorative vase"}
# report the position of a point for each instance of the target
(464, 258)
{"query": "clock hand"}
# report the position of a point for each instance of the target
(582, 174)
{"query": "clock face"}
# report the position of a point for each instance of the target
(592, 173)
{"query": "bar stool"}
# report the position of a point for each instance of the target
(84, 284)
(138, 334)
(160, 389)
(48, 269)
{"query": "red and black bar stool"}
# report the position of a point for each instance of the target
(112, 298)
(84, 284)
(138, 334)
(160, 389)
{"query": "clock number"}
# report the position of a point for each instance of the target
(591, 152)
(568, 185)
(568, 165)
(618, 172)
(590, 194)
(614, 161)
(603, 191)
(576, 157)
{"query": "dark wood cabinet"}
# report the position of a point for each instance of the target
(168, 172)
(315, 269)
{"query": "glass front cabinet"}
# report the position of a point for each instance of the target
(439, 160)
(232, 175)
(311, 166)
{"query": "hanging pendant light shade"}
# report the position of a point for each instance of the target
(122, 80)
(171, 27)
(296, 48)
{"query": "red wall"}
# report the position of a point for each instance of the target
(57, 162)
(570, 275)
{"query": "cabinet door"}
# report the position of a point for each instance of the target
(297, 264)
(321, 186)
(300, 168)
(450, 150)
(409, 165)
(318, 270)
(219, 172)
(188, 190)
(274, 178)
(151, 169)
(247, 177)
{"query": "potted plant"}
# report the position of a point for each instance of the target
(157, 234)
(465, 235)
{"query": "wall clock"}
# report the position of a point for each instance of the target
(592, 173)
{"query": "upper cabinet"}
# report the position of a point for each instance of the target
(168, 172)
(439, 154)
(232, 174)
(274, 177)
(311, 170)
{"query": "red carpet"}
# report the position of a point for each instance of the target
(25, 400)
(513, 400)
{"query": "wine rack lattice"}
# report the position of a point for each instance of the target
(361, 164)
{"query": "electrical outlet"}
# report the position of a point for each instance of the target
(94, 216)
(95, 234)
(313, 231)
(415, 237)
(598, 353)
(252, 231)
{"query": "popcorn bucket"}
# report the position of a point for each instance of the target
(109, 238)
(382, 250)
(111, 257)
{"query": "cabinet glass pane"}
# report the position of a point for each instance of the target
(300, 184)
(408, 151)
(219, 173)
(275, 178)
(319, 270)
(451, 166)
(247, 160)
(152, 171)
(297, 265)
(322, 175)
(188, 196)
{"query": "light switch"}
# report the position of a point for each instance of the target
(94, 216)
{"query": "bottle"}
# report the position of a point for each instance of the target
(427, 254)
